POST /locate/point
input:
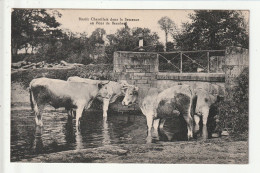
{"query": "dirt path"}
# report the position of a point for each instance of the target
(211, 152)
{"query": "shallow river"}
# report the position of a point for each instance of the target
(59, 133)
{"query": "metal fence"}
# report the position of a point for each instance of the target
(203, 61)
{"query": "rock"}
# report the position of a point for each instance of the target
(18, 64)
(64, 63)
(28, 66)
(215, 135)
(225, 133)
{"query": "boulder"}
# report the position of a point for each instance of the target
(18, 64)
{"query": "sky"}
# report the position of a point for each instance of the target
(79, 20)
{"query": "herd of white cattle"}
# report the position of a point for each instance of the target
(77, 94)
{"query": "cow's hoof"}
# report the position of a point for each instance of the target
(149, 140)
(202, 139)
(190, 137)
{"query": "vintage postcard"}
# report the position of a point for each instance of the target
(129, 86)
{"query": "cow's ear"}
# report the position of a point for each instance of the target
(123, 89)
(100, 85)
(135, 91)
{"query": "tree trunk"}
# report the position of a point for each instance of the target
(166, 40)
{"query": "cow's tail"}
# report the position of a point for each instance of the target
(33, 102)
(31, 98)
(193, 105)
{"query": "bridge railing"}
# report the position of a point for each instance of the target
(203, 61)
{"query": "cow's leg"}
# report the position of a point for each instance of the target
(70, 114)
(156, 123)
(197, 121)
(205, 114)
(79, 114)
(149, 121)
(38, 114)
(189, 122)
(161, 124)
(105, 107)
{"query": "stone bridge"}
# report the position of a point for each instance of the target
(142, 70)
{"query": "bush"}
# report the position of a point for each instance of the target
(101, 72)
(234, 112)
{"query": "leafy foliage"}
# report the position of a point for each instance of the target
(30, 27)
(126, 39)
(167, 25)
(213, 29)
(234, 112)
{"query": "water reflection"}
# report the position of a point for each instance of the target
(38, 144)
(106, 136)
(60, 134)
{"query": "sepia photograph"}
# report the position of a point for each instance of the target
(164, 86)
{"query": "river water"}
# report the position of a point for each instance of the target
(59, 132)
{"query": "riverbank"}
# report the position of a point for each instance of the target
(214, 151)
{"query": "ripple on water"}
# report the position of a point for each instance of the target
(59, 133)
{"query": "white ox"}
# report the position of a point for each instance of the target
(204, 101)
(173, 101)
(59, 93)
(114, 90)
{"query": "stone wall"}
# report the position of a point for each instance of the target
(138, 68)
(236, 60)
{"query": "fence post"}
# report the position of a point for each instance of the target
(208, 60)
(181, 63)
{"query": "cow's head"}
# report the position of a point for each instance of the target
(104, 89)
(124, 85)
(131, 94)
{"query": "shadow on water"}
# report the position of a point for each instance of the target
(59, 132)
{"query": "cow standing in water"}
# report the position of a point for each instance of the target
(176, 100)
(113, 89)
(204, 101)
(59, 93)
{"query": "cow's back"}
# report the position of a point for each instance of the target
(59, 93)
(84, 80)
(174, 101)
(114, 89)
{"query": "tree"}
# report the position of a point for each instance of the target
(31, 27)
(126, 39)
(97, 36)
(150, 39)
(167, 25)
(169, 46)
(213, 29)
